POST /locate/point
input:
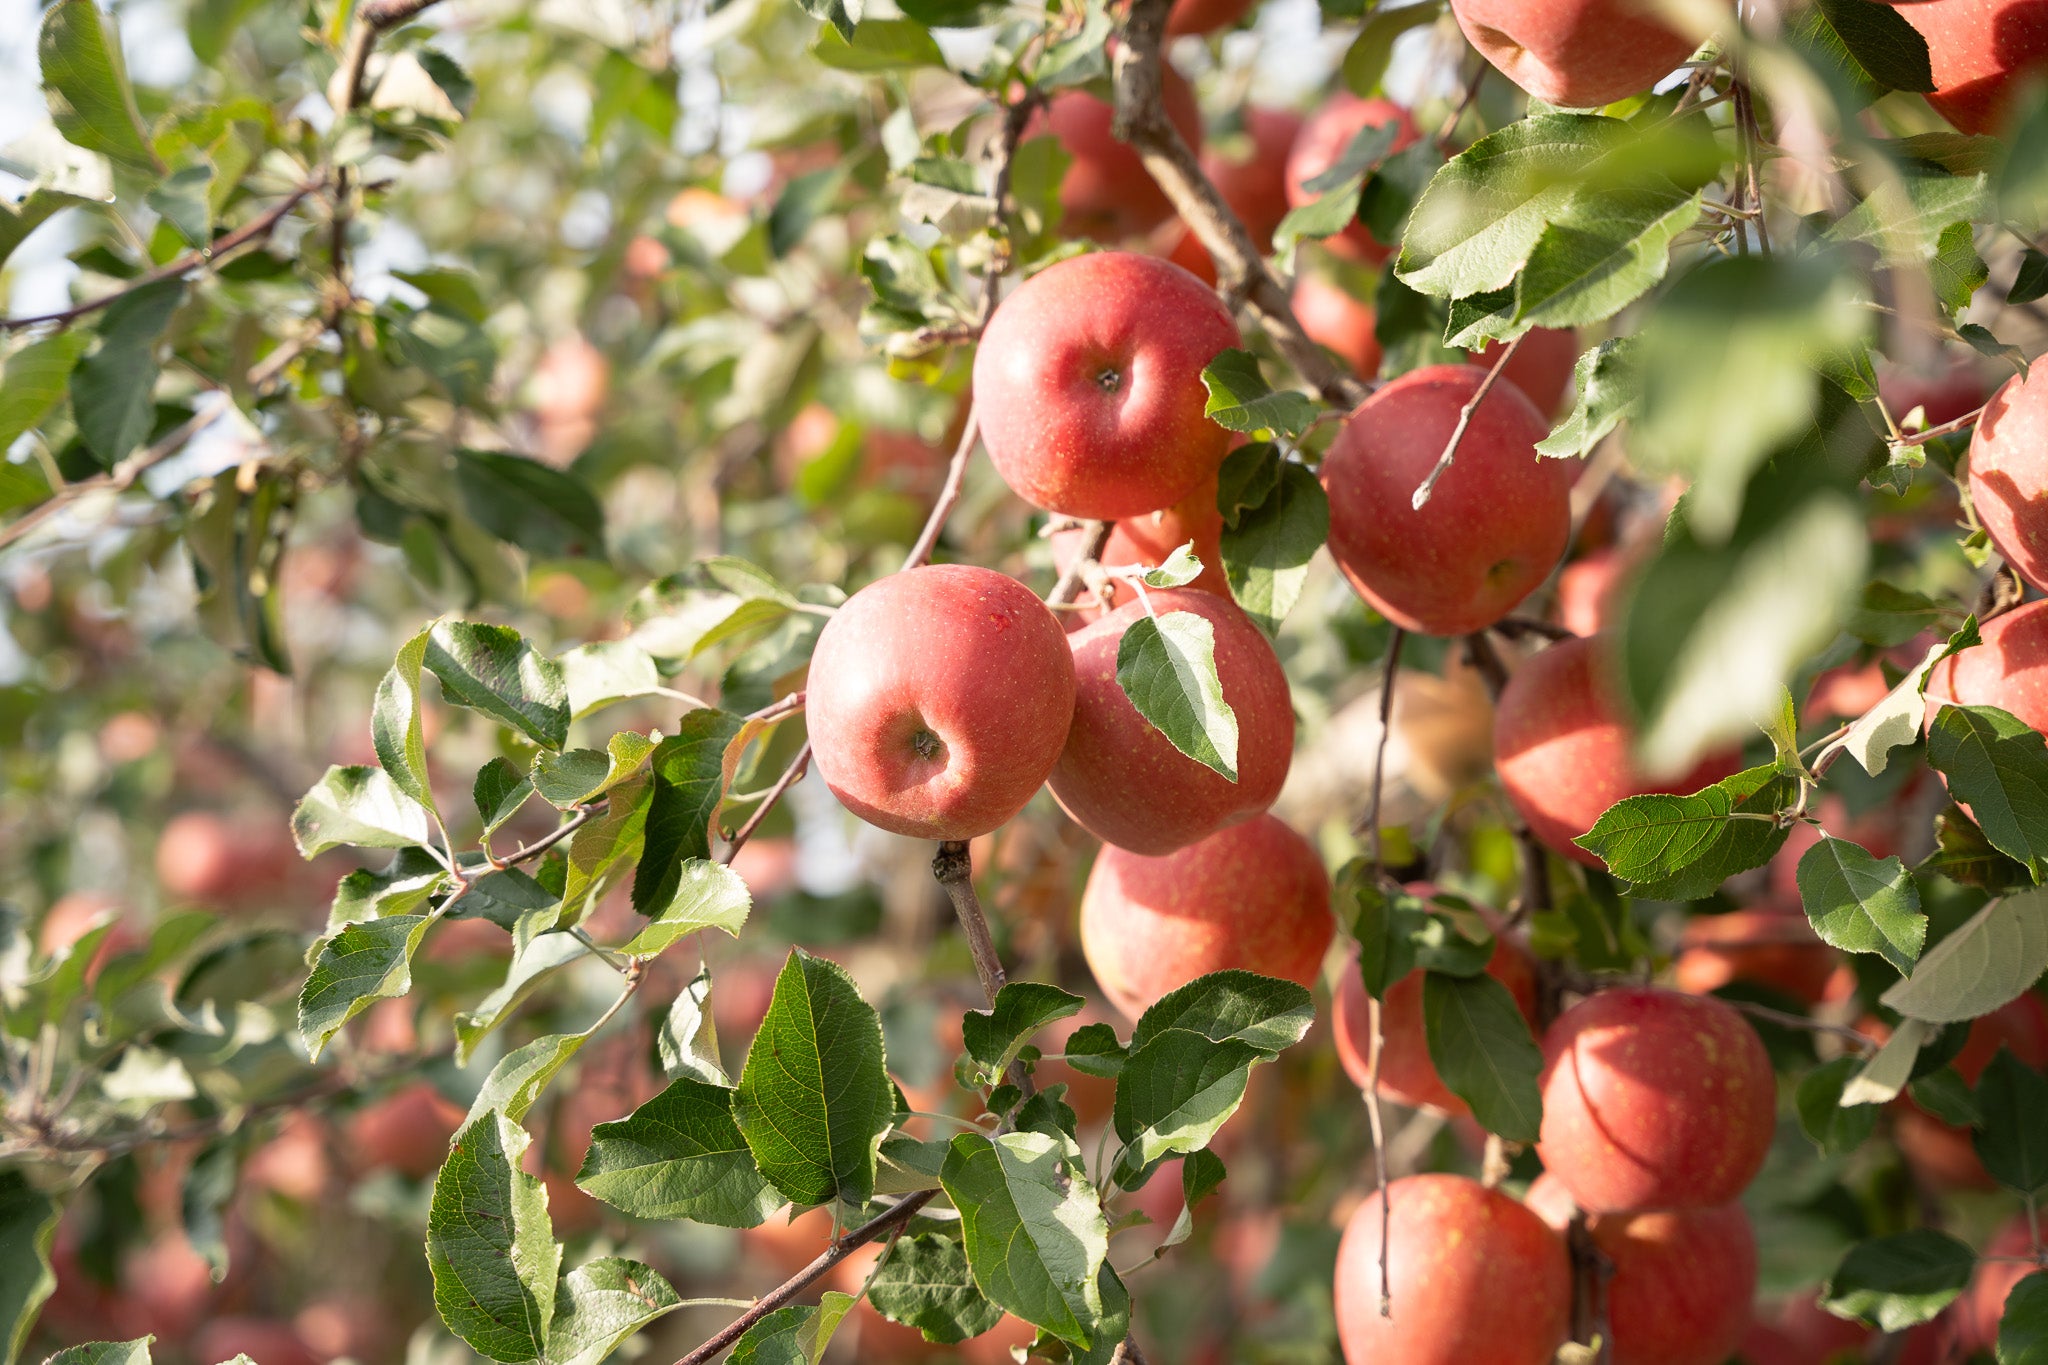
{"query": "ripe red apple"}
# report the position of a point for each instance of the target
(570, 384)
(1982, 52)
(1561, 747)
(2009, 670)
(1475, 1277)
(1253, 897)
(1492, 531)
(1322, 143)
(1541, 366)
(1978, 1311)
(1250, 173)
(1653, 1099)
(407, 1131)
(1575, 53)
(1332, 317)
(1089, 380)
(1121, 778)
(1589, 590)
(214, 859)
(2009, 469)
(1407, 1076)
(1942, 1154)
(1775, 948)
(1107, 193)
(938, 700)
(1801, 1332)
(1682, 1280)
(1204, 16)
(1150, 539)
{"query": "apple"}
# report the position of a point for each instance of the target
(1089, 380)
(295, 1163)
(406, 1131)
(2009, 469)
(1982, 1305)
(1576, 53)
(1323, 140)
(1149, 540)
(1589, 590)
(1683, 1279)
(1495, 527)
(1982, 52)
(993, 1347)
(1332, 317)
(1120, 777)
(1943, 1154)
(1252, 897)
(1249, 172)
(1770, 947)
(129, 737)
(2008, 670)
(938, 700)
(1801, 1332)
(1654, 1099)
(1407, 1076)
(215, 859)
(1204, 16)
(1475, 1277)
(1561, 747)
(1541, 366)
(1107, 193)
(570, 384)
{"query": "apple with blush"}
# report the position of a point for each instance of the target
(1578, 54)
(1324, 138)
(1107, 193)
(1765, 946)
(1589, 590)
(1541, 366)
(1197, 17)
(1149, 540)
(1332, 317)
(1983, 52)
(407, 1131)
(2009, 468)
(1979, 1310)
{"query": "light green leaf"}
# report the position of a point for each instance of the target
(1267, 547)
(134, 1352)
(86, 85)
(1265, 1012)
(1240, 399)
(708, 895)
(1607, 249)
(599, 1305)
(516, 1082)
(1904, 216)
(1862, 905)
(494, 671)
(926, 1283)
(1880, 1079)
(491, 1246)
(607, 848)
(33, 380)
(362, 964)
(1683, 847)
(1997, 954)
(577, 776)
(1033, 1228)
(28, 1228)
(182, 201)
(359, 807)
(605, 671)
(688, 1037)
(679, 1156)
(878, 45)
(1998, 768)
(993, 1037)
(1897, 1281)
(1956, 271)
(1480, 1045)
(707, 604)
(1181, 568)
(532, 964)
(395, 723)
(1166, 665)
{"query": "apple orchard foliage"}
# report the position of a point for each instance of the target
(321, 501)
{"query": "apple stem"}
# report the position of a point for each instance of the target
(1443, 464)
(1093, 543)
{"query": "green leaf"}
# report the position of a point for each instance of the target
(1365, 61)
(358, 807)
(2012, 1141)
(1240, 399)
(113, 390)
(1860, 904)
(28, 1228)
(814, 1098)
(499, 792)
(494, 671)
(689, 782)
(182, 201)
(1268, 546)
(1990, 961)
(204, 1197)
(1905, 215)
(1870, 44)
(1200, 1173)
(532, 963)
(1319, 218)
(926, 1283)
(1033, 1228)
(1608, 248)
(1891, 616)
(33, 380)
(1166, 665)
(576, 776)
(708, 895)
(395, 730)
(2029, 284)
(491, 1246)
(993, 1037)
(1998, 767)
(1269, 1014)
(1480, 1045)
(546, 512)
(1093, 1050)
(599, 1305)
(1176, 1090)
(1181, 568)
(516, 1083)
(802, 202)
(360, 965)
(1683, 847)
(707, 604)
(907, 1165)
(134, 1352)
(1609, 393)
(1880, 1079)
(793, 1336)
(1834, 1128)
(605, 671)
(680, 1155)
(1483, 214)
(688, 1037)
(1384, 924)
(1946, 1095)
(1956, 271)
(603, 851)
(1897, 1281)
(878, 45)
(86, 84)
(2023, 1330)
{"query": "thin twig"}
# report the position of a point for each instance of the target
(1096, 537)
(1388, 673)
(1446, 134)
(949, 492)
(774, 794)
(1963, 423)
(373, 20)
(776, 710)
(1443, 464)
(1861, 1042)
(1379, 1149)
(584, 815)
(119, 479)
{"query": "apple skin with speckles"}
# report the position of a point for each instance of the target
(1254, 897)
(939, 699)
(1120, 777)
(2008, 670)
(1562, 747)
(1683, 1280)
(1981, 52)
(1089, 385)
(1653, 1099)
(2009, 474)
(1494, 527)
(1541, 366)
(1576, 53)
(1321, 144)
(1475, 1277)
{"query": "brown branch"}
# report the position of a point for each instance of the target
(949, 492)
(212, 253)
(1379, 761)
(374, 19)
(527, 853)
(117, 480)
(881, 1223)
(774, 794)
(1591, 1271)
(1522, 627)
(1069, 585)
(1443, 463)
(1374, 1121)
(1861, 1042)
(1445, 135)
(1963, 423)
(1240, 273)
(954, 869)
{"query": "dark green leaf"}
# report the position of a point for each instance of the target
(182, 201)
(1998, 768)
(1033, 1228)
(1166, 665)
(86, 84)
(1881, 42)
(1897, 1281)
(499, 791)
(2013, 1139)
(680, 1155)
(1862, 905)
(804, 199)
(1093, 1050)
(1833, 1127)
(793, 1336)
(1606, 249)
(113, 390)
(1269, 1014)
(1480, 1045)
(1266, 552)
(1889, 616)
(1240, 399)
(493, 670)
(994, 1036)
(1946, 1095)
(2023, 1329)
(2029, 284)
(926, 1283)
(28, 1227)
(362, 964)
(208, 1189)
(546, 512)
(1956, 271)
(491, 1246)
(1176, 1090)
(689, 781)
(1683, 847)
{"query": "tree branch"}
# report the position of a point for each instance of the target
(120, 478)
(374, 19)
(1069, 585)
(789, 777)
(1374, 1120)
(1443, 463)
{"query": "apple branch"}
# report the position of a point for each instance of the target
(1069, 585)
(789, 778)
(1443, 464)
(1240, 273)
(1377, 1123)
(121, 478)
(1963, 423)
(372, 21)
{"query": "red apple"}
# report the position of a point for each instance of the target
(1250, 174)
(1253, 897)
(1407, 1075)
(75, 914)
(1774, 948)
(1801, 1332)
(2008, 670)
(938, 700)
(1322, 143)
(1204, 16)
(2009, 469)
(1589, 590)
(1978, 1311)
(1682, 1279)
(407, 1131)
(1107, 193)
(1332, 317)
(1653, 1099)
(1562, 747)
(1475, 1278)
(1941, 1154)
(220, 860)
(1121, 778)
(1982, 52)
(1148, 540)
(1089, 380)
(1492, 531)
(1541, 366)
(1575, 53)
